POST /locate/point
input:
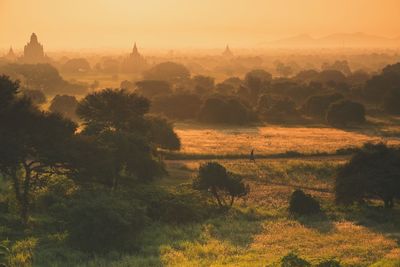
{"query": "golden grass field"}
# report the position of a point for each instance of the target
(258, 231)
(203, 139)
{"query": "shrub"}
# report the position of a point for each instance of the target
(101, 223)
(303, 204)
(167, 71)
(223, 185)
(344, 112)
(292, 260)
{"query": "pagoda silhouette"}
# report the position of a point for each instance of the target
(33, 51)
(227, 53)
(135, 62)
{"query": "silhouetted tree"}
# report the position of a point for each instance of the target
(32, 145)
(318, 105)
(167, 71)
(373, 172)
(76, 65)
(223, 185)
(177, 106)
(65, 105)
(153, 88)
(344, 112)
(391, 102)
(36, 96)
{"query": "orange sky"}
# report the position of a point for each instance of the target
(63, 24)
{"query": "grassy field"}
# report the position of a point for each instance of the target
(258, 231)
(202, 139)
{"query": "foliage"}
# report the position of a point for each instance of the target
(167, 71)
(177, 106)
(33, 145)
(76, 65)
(42, 77)
(101, 223)
(153, 88)
(390, 102)
(162, 133)
(223, 185)
(65, 105)
(303, 204)
(343, 112)
(318, 105)
(373, 172)
(229, 111)
(36, 96)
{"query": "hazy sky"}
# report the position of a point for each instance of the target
(63, 24)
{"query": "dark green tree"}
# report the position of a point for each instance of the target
(221, 184)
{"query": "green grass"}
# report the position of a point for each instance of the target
(258, 231)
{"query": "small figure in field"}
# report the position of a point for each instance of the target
(252, 158)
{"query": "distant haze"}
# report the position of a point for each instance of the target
(73, 24)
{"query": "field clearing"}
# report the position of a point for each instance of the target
(202, 139)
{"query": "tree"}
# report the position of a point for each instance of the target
(153, 88)
(167, 71)
(231, 111)
(76, 65)
(203, 84)
(318, 105)
(257, 81)
(36, 96)
(115, 120)
(373, 172)
(113, 110)
(65, 105)
(376, 87)
(223, 185)
(177, 106)
(32, 145)
(391, 102)
(344, 112)
(162, 133)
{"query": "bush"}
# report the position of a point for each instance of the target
(101, 223)
(344, 112)
(303, 204)
(292, 260)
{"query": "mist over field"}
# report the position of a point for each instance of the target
(199, 133)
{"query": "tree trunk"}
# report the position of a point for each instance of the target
(214, 192)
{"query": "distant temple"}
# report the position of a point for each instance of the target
(33, 51)
(227, 52)
(10, 56)
(135, 62)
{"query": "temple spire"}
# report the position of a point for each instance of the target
(227, 52)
